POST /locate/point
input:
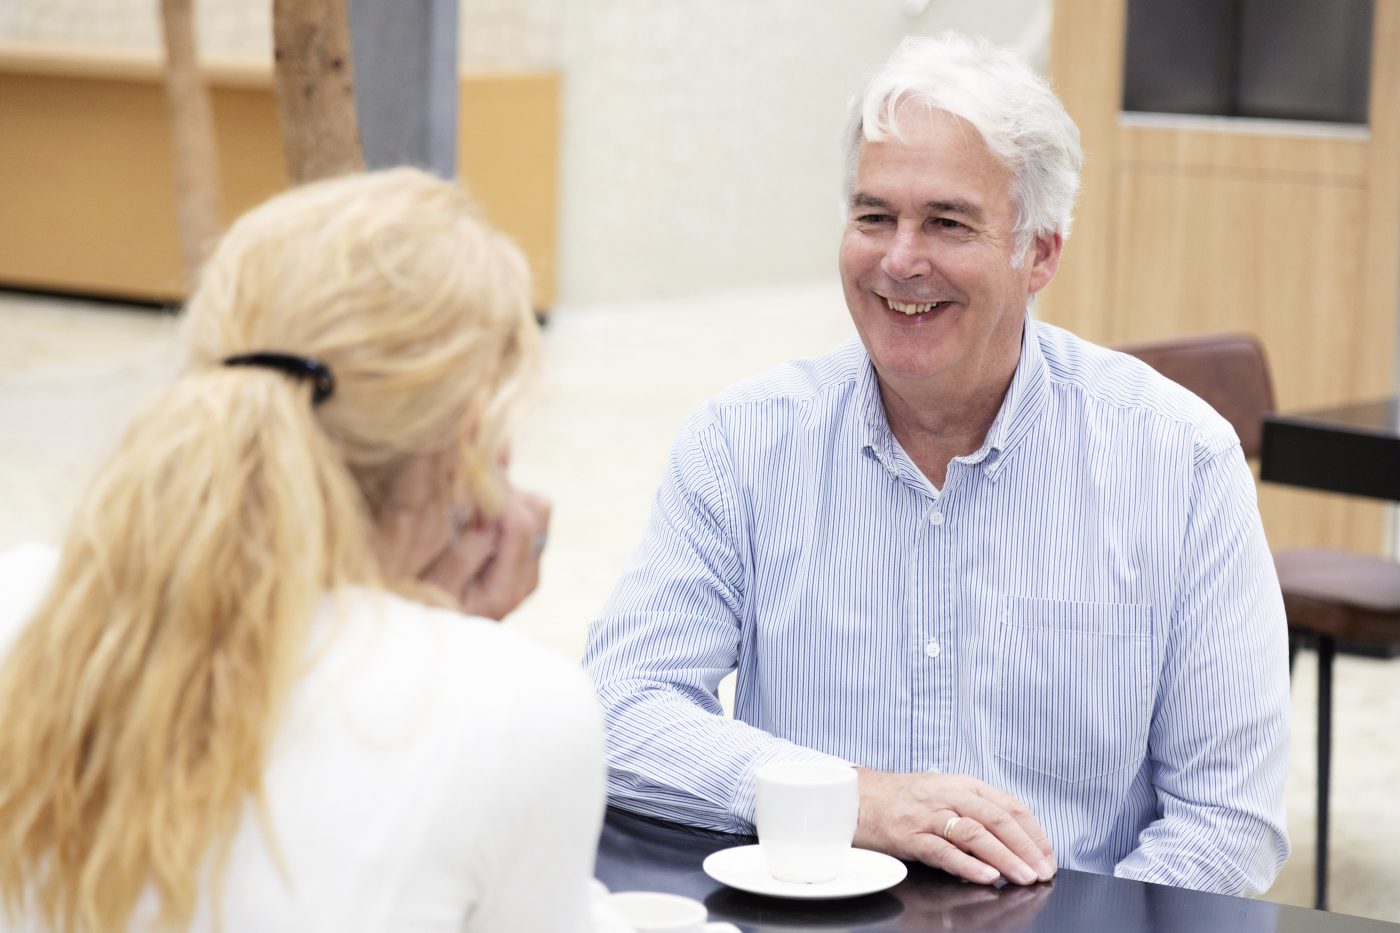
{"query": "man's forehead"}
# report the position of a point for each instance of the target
(916, 126)
(913, 116)
(937, 160)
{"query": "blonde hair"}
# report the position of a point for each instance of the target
(139, 702)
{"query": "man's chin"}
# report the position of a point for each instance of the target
(910, 365)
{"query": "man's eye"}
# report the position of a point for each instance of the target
(873, 218)
(948, 223)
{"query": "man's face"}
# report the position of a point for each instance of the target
(929, 232)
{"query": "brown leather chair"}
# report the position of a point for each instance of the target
(1328, 596)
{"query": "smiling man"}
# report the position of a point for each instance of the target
(1016, 579)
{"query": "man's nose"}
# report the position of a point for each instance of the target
(905, 258)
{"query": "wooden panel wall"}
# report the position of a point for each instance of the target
(1288, 231)
(87, 192)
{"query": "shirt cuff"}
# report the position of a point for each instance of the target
(742, 805)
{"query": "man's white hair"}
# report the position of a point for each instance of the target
(1013, 108)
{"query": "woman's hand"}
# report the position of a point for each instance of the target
(491, 567)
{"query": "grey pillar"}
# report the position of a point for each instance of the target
(405, 60)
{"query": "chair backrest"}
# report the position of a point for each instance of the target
(1229, 371)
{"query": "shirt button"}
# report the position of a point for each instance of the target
(935, 518)
(932, 648)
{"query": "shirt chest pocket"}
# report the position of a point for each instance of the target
(1071, 697)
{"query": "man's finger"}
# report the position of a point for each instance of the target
(939, 853)
(975, 839)
(1022, 813)
(999, 823)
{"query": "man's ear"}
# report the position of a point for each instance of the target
(1045, 259)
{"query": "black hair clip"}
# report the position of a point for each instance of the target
(298, 367)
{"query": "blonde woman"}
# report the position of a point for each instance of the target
(246, 695)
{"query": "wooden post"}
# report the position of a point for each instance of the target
(192, 129)
(315, 88)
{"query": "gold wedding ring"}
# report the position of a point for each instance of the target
(948, 828)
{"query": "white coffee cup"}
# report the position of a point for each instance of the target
(806, 814)
(654, 912)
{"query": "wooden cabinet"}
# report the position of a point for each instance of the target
(87, 190)
(1287, 230)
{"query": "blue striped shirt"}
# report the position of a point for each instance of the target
(1086, 615)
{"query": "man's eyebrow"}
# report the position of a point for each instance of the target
(952, 206)
(860, 199)
(955, 206)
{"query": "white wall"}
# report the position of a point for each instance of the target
(701, 140)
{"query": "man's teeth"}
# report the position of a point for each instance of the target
(912, 309)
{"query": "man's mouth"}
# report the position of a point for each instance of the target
(912, 309)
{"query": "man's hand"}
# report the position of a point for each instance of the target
(990, 833)
(490, 568)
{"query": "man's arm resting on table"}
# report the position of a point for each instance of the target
(674, 757)
(669, 634)
(677, 760)
(1218, 744)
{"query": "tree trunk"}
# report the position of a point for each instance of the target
(315, 89)
(192, 128)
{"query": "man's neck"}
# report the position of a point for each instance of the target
(937, 421)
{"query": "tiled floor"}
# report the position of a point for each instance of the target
(615, 387)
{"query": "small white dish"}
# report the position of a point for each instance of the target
(866, 872)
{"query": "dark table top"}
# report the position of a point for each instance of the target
(639, 854)
(1353, 449)
(1380, 416)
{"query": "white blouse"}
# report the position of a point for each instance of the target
(433, 772)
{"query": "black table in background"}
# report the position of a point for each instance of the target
(1350, 449)
(639, 854)
(1353, 449)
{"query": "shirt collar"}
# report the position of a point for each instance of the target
(1020, 408)
(1018, 412)
(876, 436)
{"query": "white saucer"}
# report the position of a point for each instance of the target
(866, 872)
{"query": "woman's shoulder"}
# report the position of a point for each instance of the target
(470, 639)
(466, 662)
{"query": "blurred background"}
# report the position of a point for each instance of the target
(674, 173)
(698, 144)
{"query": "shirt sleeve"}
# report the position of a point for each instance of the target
(1219, 741)
(669, 633)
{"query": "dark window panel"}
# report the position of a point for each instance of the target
(1178, 56)
(1305, 59)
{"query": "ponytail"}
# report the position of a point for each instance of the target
(152, 674)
